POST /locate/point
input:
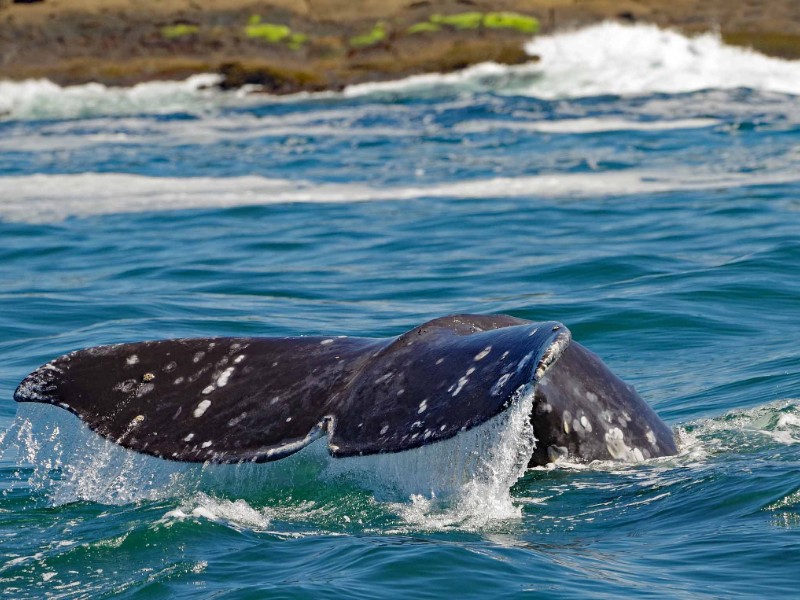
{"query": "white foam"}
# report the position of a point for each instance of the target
(612, 58)
(234, 512)
(48, 198)
(738, 430)
(481, 77)
(39, 98)
(588, 125)
(608, 58)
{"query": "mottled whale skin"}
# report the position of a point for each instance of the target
(232, 400)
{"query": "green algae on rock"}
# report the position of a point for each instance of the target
(270, 32)
(476, 20)
(511, 20)
(274, 33)
(377, 35)
(179, 30)
(465, 20)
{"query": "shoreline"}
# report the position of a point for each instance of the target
(290, 46)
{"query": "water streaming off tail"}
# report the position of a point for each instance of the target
(469, 475)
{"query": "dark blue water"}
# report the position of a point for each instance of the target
(662, 227)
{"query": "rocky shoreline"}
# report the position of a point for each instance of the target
(288, 46)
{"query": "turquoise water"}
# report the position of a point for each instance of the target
(661, 224)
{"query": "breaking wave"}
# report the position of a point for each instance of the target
(608, 58)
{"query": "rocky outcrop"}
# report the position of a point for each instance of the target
(293, 45)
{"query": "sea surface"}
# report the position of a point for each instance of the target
(639, 186)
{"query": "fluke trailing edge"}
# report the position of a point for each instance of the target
(230, 400)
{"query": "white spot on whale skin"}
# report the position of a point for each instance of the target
(461, 383)
(206, 444)
(208, 389)
(189, 438)
(178, 381)
(201, 408)
(125, 386)
(651, 437)
(326, 342)
(504, 355)
(556, 453)
(440, 361)
(143, 389)
(524, 361)
(132, 360)
(237, 420)
(586, 424)
(384, 377)
(616, 445)
(222, 380)
(483, 354)
(238, 359)
(384, 429)
(567, 418)
(498, 386)
(423, 406)
(288, 419)
(591, 396)
(197, 356)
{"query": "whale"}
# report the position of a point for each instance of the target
(261, 399)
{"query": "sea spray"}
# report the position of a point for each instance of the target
(612, 58)
(464, 481)
(469, 476)
(68, 463)
(43, 99)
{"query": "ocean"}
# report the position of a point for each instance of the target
(637, 185)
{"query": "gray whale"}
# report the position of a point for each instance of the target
(233, 400)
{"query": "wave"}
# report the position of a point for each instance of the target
(611, 58)
(43, 99)
(52, 198)
(604, 59)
